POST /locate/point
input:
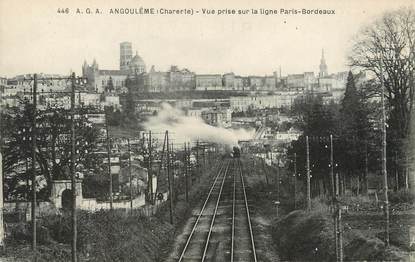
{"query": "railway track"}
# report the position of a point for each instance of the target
(222, 230)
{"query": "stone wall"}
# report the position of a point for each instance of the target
(91, 204)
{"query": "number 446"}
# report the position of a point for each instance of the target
(63, 10)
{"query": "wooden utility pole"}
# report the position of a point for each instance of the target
(295, 180)
(340, 234)
(150, 168)
(1, 187)
(308, 175)
(366, 169)
(189, 164)
(34, 201)
(109, 159)
(396, 172)
(72, 162)
(186, 172)
(72, 169)
(384, 170)
(27, 193)
(197, 160)
(332, 168)
(277, 169)
(265, 171)
(172, 170)
(336, 219)
(407, 173)
(204, 156)
(130, 180)
(169, 178)
(334, 199)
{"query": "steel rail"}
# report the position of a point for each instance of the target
(214, 214)
(233, 216)
(247, 211)
(201, 211)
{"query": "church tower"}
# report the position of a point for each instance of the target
(323, 65)
(126, 54)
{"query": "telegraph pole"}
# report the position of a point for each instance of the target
(168, 177)
(396, 171)
(384, 170)
(277, 169)
(1, 199)
(204, 156)
(308, 175)
(407, 173)
(72, 168)
(340, 234)
(109, 158)
(2, 233)
(185, 172)
(366, 169)
(197, 160)
(334, 200)
(34, 247)
(129, 175)
(189, 151)
(172, 170)
(72, 162)
(150, 167)
(332, 168)
(295, 180)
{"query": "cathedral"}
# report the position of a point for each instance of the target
(114, 80)
(323, 66)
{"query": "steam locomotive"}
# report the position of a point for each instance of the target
(236, 152)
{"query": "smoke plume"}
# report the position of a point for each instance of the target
(185, 128)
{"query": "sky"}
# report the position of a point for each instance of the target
(35, 38)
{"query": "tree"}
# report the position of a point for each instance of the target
(317, 121)
(52, 151)
(110, 87)
(386, 49)
(354, 131)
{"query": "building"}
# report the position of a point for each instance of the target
(270, 83)
(232, 82)
(194, 112)
(3, 82)
(256, 82)
(208, 82)
(126, 54)
(112, 100)
(323, 66)
(229, 81)
(218, 117)
(89, 99)
(114, 80)
(288, 136)
(136, 65)
(154, 81)
(157, 81)
(239, 85)
(301, 82)
(252, 102)
(180, 79)
(104, 80)
(20, 88)
(244, 103)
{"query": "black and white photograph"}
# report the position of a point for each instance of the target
(210, 131)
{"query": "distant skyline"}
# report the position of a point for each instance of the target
(35, 38)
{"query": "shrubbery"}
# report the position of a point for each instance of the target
(116, 235)
(102, 236)
(302, 236)
(402, 196)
